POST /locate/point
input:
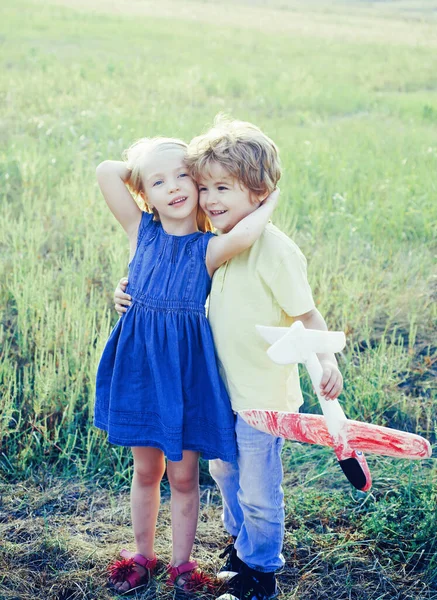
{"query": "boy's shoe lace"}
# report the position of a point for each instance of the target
(251, 585)
(233, 564)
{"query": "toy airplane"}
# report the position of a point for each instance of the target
(348, 438)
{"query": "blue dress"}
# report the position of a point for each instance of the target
(158, 382)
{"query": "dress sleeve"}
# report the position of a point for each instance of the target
(289, 284)
(204, 241)
(144, 226)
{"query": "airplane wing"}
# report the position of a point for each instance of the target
(366, 437)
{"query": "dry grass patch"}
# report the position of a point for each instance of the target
(59, 536)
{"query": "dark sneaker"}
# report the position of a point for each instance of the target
(232, 565)
(251, 585)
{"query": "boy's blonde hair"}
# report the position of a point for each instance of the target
(135, 157)
(242, 149)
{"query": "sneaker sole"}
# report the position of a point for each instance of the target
(229, 596)
(232, 597)
(226, 575)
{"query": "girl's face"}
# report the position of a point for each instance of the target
(168, 186)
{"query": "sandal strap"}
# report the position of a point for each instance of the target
(134, 580)
(147, 563)
(181, 569)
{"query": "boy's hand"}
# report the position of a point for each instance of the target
(121, 300)
(332, 381)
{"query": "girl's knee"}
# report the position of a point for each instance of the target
(183, 475)
(148, 470)
(183, 482)
(147, 476)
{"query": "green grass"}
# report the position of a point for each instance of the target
(348, 91)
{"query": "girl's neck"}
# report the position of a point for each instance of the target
(180, 227)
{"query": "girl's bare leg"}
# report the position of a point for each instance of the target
(184, 483)
(149, 467)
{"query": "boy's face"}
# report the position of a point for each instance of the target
(224, 199)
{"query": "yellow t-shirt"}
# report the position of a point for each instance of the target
(265, 285)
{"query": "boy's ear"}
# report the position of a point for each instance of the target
(258, 198)
(262, 197)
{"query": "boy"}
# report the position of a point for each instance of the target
(236, 167)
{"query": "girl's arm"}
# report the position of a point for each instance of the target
(112, 176)
(242, 236)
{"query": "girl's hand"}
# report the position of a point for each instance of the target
(121, 300)
(241, 236)
(332, 381)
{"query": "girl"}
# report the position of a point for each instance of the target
(158, 387)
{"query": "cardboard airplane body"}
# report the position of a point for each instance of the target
(312, 429)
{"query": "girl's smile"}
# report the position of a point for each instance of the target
(170, 190)
(178, 201)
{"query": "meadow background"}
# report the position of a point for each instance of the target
(348, 92)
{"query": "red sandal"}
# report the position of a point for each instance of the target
(124, 570)
(195, 581)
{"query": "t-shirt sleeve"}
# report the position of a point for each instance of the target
(289, 284)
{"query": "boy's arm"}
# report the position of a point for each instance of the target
(242, 236)
(332, 380)
(112, 176)
(290, 288)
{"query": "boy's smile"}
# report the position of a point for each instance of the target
(224, 199)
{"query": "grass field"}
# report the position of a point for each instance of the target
(348, 90)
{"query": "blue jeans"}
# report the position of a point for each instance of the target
(253, 499)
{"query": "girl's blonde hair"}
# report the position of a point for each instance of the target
(135, 157)
(242, 149)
